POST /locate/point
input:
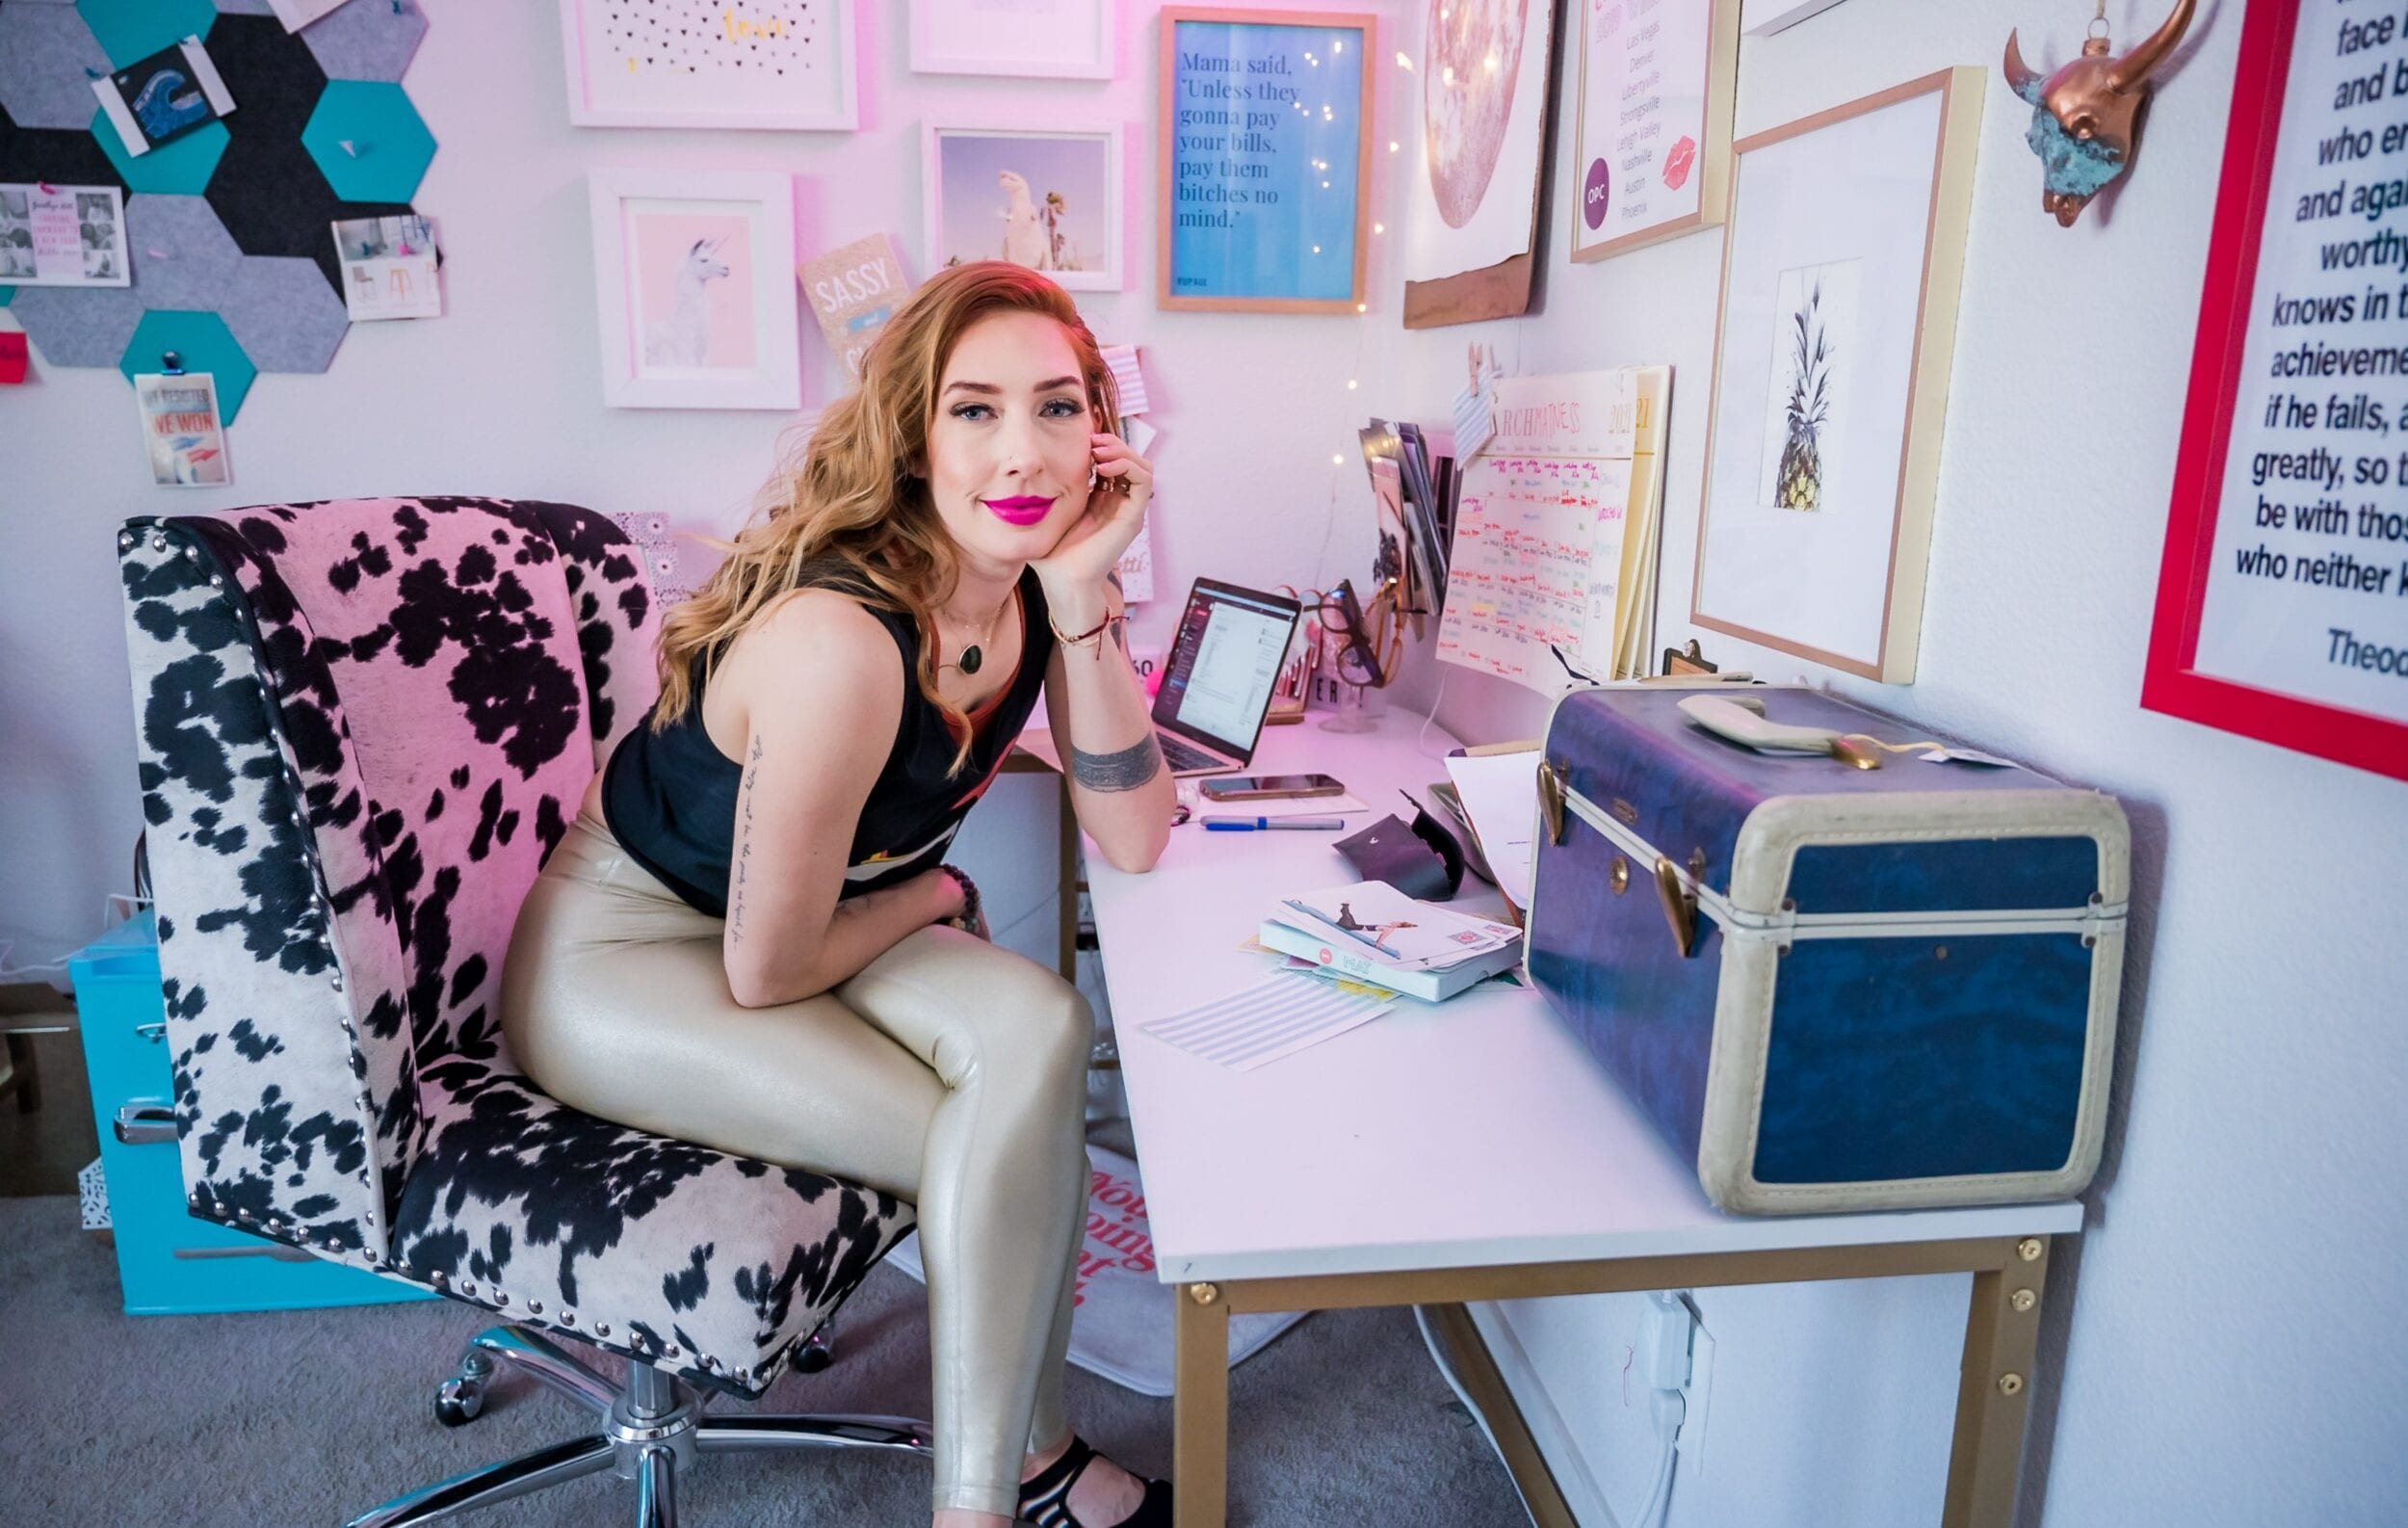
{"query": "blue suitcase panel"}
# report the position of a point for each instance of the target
(1888, 1060)
(1633, 1000)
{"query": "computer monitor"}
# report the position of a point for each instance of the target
(1218, 682)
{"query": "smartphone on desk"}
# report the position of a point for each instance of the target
(1268, 787)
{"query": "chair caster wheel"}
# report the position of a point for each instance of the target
(458, 1403)
(818, 1349)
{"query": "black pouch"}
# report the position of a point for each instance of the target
(1422, 859)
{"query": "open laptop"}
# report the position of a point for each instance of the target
(1217, 681)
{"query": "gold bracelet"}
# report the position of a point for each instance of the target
(1094, 634)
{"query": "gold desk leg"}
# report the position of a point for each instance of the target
(1199, 1471)
(1993, 1389)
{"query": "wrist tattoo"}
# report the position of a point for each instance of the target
(1124, 771)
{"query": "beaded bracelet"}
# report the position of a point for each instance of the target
(967, 919)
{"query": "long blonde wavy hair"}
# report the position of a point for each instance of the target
(850, 499)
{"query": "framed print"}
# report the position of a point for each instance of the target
(1653, 136)
(1839, 275)
(2279, 611)
(1471, 223)
(1264, 157)
(1049, 198)
(769, 63)
(694, 281)
(1764, 18)
(1058, 39)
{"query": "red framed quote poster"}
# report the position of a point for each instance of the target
(2283, 598)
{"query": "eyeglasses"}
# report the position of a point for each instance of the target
(1374, 636)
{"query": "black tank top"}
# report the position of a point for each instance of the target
(669, 796)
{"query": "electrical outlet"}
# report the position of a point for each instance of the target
(1701, 1389)
(1665, 1341)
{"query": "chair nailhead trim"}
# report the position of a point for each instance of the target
(569, 1318)
(501, 1298)
(601, 1329)
(672, 1351)
(534, 1307)
(468, 1289)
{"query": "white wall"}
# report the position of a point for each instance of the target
(502, 396)
(2227, 1344)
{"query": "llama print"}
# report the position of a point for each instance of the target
(684, 339)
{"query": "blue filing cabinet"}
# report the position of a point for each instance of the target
(169, 1262)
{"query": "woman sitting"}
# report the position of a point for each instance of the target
(749, 937)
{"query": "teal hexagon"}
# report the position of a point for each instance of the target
(132, 30)
(201, 342)
(182, 168)
(388, 145)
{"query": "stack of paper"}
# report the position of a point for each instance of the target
(1375, 934)
(1500, 795)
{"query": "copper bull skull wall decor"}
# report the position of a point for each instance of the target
(2082, 115)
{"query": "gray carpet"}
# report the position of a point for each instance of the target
(303, 1418)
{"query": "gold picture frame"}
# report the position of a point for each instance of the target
(1363, 28)
(1814, 542)
(1717, 86)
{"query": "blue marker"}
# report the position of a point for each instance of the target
(1255, 824)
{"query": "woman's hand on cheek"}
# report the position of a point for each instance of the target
(1089, 549)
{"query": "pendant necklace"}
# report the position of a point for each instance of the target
(971, 655)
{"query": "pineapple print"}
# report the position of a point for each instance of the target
(1799, 485)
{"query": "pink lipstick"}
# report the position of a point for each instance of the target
(1025, 509)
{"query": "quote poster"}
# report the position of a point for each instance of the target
(1264, 162)
(2286, 574)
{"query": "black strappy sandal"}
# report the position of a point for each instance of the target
(1045, 1501)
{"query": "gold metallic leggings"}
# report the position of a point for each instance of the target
(949, 1073)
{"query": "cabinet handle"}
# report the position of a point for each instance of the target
(145, 1124)
(154, 1032)
(282, 1255)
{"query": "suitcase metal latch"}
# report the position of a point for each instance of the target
(1550, 800)
(1679, 905)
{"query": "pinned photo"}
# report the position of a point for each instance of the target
(183, 430)
(159, 100)
(63, 235)
(389, 268)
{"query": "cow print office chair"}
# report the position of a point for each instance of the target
(363, 725)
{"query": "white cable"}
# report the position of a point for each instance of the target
(1445, 1371)
(1670, 1410)
(1421, 739)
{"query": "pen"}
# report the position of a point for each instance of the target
(1249, 824)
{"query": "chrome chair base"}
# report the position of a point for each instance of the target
(652, 1431)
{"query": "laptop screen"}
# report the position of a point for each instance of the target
(1223, 662)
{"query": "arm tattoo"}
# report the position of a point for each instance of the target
(744, 851)
(1124, 771)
